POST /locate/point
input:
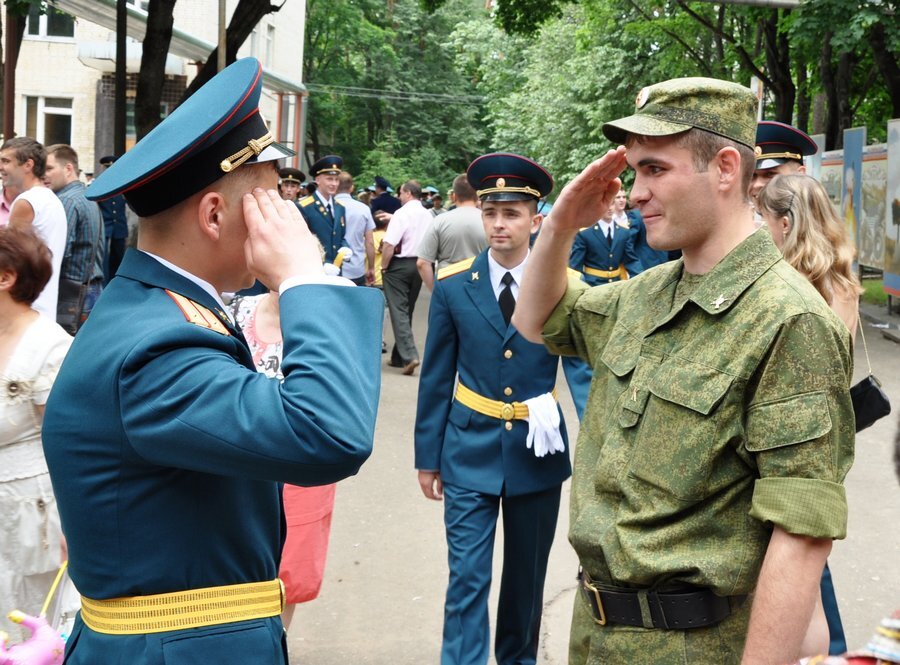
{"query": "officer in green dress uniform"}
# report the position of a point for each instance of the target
(707, 483)
(289, 183)
(325, 216)
(165, 446)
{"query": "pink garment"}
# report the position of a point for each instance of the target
(307, 510)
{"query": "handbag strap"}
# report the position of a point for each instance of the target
(859, 326)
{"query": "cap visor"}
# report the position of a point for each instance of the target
(643, 125)
(764, 164)
(272, 152)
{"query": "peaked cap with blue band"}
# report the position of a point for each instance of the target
(503, 176)
(777, 143)
(330, 165)
(213, 132)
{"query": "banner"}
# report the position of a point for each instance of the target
(892, 211)
(851, 182)
(872, 207)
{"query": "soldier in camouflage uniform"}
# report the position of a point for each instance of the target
(708, 474)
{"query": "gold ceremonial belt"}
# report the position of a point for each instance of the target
(621, 273)
(184, 609)
(492, 407)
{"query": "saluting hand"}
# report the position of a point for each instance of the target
(279, 243)
(584, 200)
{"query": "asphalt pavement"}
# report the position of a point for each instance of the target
(382, 597)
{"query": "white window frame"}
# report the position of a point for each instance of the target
(42, 30)
(43, 109)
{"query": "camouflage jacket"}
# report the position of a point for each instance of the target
(719, 407)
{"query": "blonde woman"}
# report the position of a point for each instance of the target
(807, 230)
(814, 240)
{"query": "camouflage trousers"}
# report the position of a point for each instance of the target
(590, 644)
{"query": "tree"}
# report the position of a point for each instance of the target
(19, 10)
(160, 21)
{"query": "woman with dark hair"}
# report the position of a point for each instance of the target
(32, 347)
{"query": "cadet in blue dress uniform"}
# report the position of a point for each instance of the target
(322, 212)
(165, 446)
(471, 441)
(780, 150)
(605, 255)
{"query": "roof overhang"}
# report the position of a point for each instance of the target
(183, 44)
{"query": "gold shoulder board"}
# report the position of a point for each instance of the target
(309, 200)
(198, 314)
(455, 268)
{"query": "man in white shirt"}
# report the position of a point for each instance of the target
(402, 281)
(22, 164)
(457, 235)
(359, 267)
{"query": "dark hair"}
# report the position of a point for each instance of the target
(64, 153)
(463, 190)
(413, 188)
(27, 148)
(24, 253)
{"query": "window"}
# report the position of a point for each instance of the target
(262, 44)
(53, 23)
(140, 5)
(270, 45)
(130, 129)
(49, 119)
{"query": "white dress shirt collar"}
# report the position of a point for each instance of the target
(206, 286)
(497, 271)
(604, 227)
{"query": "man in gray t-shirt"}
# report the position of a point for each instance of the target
(455, 235)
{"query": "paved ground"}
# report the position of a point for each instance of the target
(382, 598)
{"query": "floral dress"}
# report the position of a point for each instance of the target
(30, 534)
(307, 510)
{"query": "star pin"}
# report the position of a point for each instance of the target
(475, 276)
(717, 303)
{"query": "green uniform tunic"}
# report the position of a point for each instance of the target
(719, 408)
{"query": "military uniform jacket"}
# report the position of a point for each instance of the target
(714, 413)
(591, 249)
(329, 232)
(164, 446)
(467, 336)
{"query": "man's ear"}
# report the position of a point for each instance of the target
(210, 214)
(7, 280)
(728, 167)
(536, 223)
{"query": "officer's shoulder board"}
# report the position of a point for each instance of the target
(308, 200)
(455, 268)
(198, 314)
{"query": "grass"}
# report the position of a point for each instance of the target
(873, 292)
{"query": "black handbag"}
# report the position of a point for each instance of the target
(870, 403)
(70, 304)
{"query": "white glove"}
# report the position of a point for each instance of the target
(543, 426)
(333, 269)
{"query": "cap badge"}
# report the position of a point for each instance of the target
(501, 183)
(642, 98)
(757, 151)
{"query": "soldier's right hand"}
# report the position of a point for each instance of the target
(279, 243)
(432, 487)
(584, 200)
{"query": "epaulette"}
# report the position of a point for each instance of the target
(198, 314)
(309, 200)
(455, 268)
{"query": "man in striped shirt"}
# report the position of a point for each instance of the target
(83, 259)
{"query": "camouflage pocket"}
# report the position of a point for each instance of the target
(677, 440)
(787, 421)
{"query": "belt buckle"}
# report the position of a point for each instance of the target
(590, 587)
(507, 411)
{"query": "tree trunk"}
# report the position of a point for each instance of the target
(887, 64)
(778, 63)
(833, 137)
(246, 15)
(152, 76)
(803, 101)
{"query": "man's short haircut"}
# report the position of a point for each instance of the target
(413, 188)
(345, 183)
(26, 148)
(64, 153)
(704, 146)
(23, 252)
(462, 190)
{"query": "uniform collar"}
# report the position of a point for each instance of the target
(734, 274)
(321, 198)
(203, 284)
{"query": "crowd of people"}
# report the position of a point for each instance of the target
(703, 332)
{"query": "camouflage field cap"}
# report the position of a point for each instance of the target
(675, 106)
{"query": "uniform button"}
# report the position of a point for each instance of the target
(507, 354)
(507, 391)
(508, 425)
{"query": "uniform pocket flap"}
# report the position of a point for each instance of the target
(460, 415)
(788, 421)
(696, 387)
(621, 353)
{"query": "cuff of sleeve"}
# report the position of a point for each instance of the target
(557, 332)
(802, 506)
(291, 282)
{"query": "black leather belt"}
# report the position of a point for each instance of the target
(668, 610)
